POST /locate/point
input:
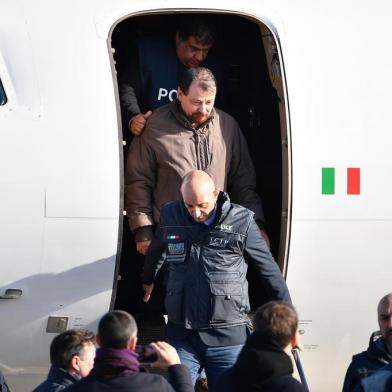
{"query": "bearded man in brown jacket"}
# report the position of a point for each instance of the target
(186, 134)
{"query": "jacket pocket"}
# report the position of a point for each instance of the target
(175, 259)
(174, 299)
(226, 301)
(174, 302)
(175, 253)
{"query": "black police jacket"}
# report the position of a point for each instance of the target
(262, 365)
(206, 283)
(366, 363)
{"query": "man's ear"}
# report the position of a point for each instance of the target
(132, 343)
(296, 341)
(178, 39)
(216, 193)
(73, 366)
(180, 94)
(98, 340)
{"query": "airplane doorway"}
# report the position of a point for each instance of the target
(255, 98)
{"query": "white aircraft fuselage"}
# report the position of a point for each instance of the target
(61, 183)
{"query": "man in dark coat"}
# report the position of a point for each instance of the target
(380, 381)
(379, 352)
(203, 240)
(72, 357)
(264, 363)
(117, 369)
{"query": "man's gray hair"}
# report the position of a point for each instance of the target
(116, 329)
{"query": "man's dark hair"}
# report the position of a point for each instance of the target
(116, 328)
(279, 320)
(68, 344)
(203, 76)
(200, 27)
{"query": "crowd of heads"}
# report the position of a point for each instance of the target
(74, 350)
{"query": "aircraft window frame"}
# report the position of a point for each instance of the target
(3, 95)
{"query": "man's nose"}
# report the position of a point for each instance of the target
(196, 213)
(203, 109)
(199, 56)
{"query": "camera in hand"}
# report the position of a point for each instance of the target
(146, 354)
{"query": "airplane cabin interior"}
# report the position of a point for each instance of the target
(254, 96)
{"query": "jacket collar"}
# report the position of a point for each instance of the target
(260, 361)
(377, 348)
(61, 376)
(223, 206)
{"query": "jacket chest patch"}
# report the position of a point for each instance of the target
(176, 249)
(219, 242)
(226, 227)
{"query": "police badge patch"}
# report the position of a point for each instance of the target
(176, 249)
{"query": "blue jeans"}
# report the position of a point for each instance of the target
(215, 360)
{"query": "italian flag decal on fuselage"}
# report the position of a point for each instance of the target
(353, 181)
